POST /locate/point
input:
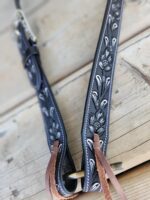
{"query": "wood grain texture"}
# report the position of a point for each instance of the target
(23, 148)
(67, 32)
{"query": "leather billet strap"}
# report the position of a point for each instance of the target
(96, 113)
(98, 101)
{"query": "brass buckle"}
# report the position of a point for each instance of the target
(76, 175)
(22, 18)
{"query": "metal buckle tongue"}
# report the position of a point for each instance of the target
(22, 18)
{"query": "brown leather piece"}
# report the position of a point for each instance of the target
(102, 167)
(50, 176)
(103, 180)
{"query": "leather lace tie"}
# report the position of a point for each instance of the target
(104, 167)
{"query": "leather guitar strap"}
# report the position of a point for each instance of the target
(95, 126)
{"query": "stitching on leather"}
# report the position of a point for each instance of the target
(89, 98)
(62, 154)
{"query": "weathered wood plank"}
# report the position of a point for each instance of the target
(23, 161)
(66, 39)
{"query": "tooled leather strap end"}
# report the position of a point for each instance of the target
(102, 167)
(50, 175)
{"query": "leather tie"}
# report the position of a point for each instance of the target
(102, 167)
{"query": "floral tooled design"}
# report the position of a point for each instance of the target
(54, 128)
(100, 89)
(54, 131)
(96, 122)
(107, 57)
(105, 62)
(115, 9)
(49, 114)
(97, 119)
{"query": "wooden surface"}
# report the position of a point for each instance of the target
(67, 43)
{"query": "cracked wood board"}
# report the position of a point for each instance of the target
(23, 148)
(66, 40)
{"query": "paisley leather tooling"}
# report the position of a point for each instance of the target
(60, 175)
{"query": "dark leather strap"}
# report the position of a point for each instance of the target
(98, 101)
(96, 112)
(50, 175)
